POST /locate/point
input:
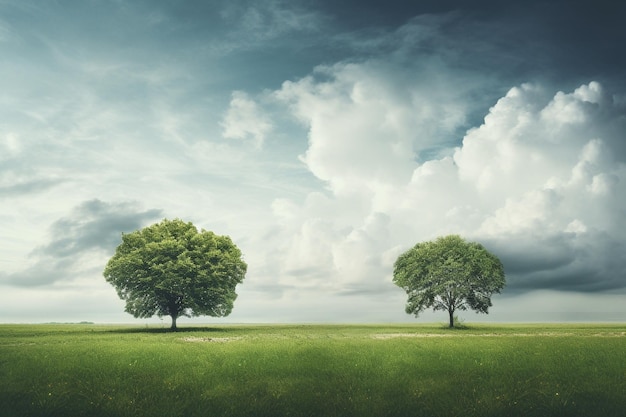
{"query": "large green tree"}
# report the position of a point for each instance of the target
(172, 269)
(448, 274)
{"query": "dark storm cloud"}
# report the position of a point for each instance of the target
(92, 226)
(527, 256)
(562, 263)
(561, 41)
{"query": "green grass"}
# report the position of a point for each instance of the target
(313, 370)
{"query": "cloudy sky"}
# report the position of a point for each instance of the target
(325, 138)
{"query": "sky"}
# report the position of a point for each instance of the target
(325, 138)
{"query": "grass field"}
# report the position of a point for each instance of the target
(313, 370)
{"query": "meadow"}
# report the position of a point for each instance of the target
(313, 370)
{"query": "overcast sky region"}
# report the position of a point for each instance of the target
(325, 138)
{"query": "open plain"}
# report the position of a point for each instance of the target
(313, 370)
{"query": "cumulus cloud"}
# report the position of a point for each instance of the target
(245, 120)
(79, 241)
(369, 122)
(540, 182)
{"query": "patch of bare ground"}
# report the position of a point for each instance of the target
(395, 335)
(614, 334)
(210, 339)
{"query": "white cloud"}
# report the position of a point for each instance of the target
(368, 122)
(540, 182)
(245, 120)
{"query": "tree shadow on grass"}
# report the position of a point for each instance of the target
(194, 329)
(457, 327)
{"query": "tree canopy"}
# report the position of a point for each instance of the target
(448, 274)
(172, 269)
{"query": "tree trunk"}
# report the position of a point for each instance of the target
(451, 313)
(173, 328)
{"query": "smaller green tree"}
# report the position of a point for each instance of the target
(172, 269)
(448, 274)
